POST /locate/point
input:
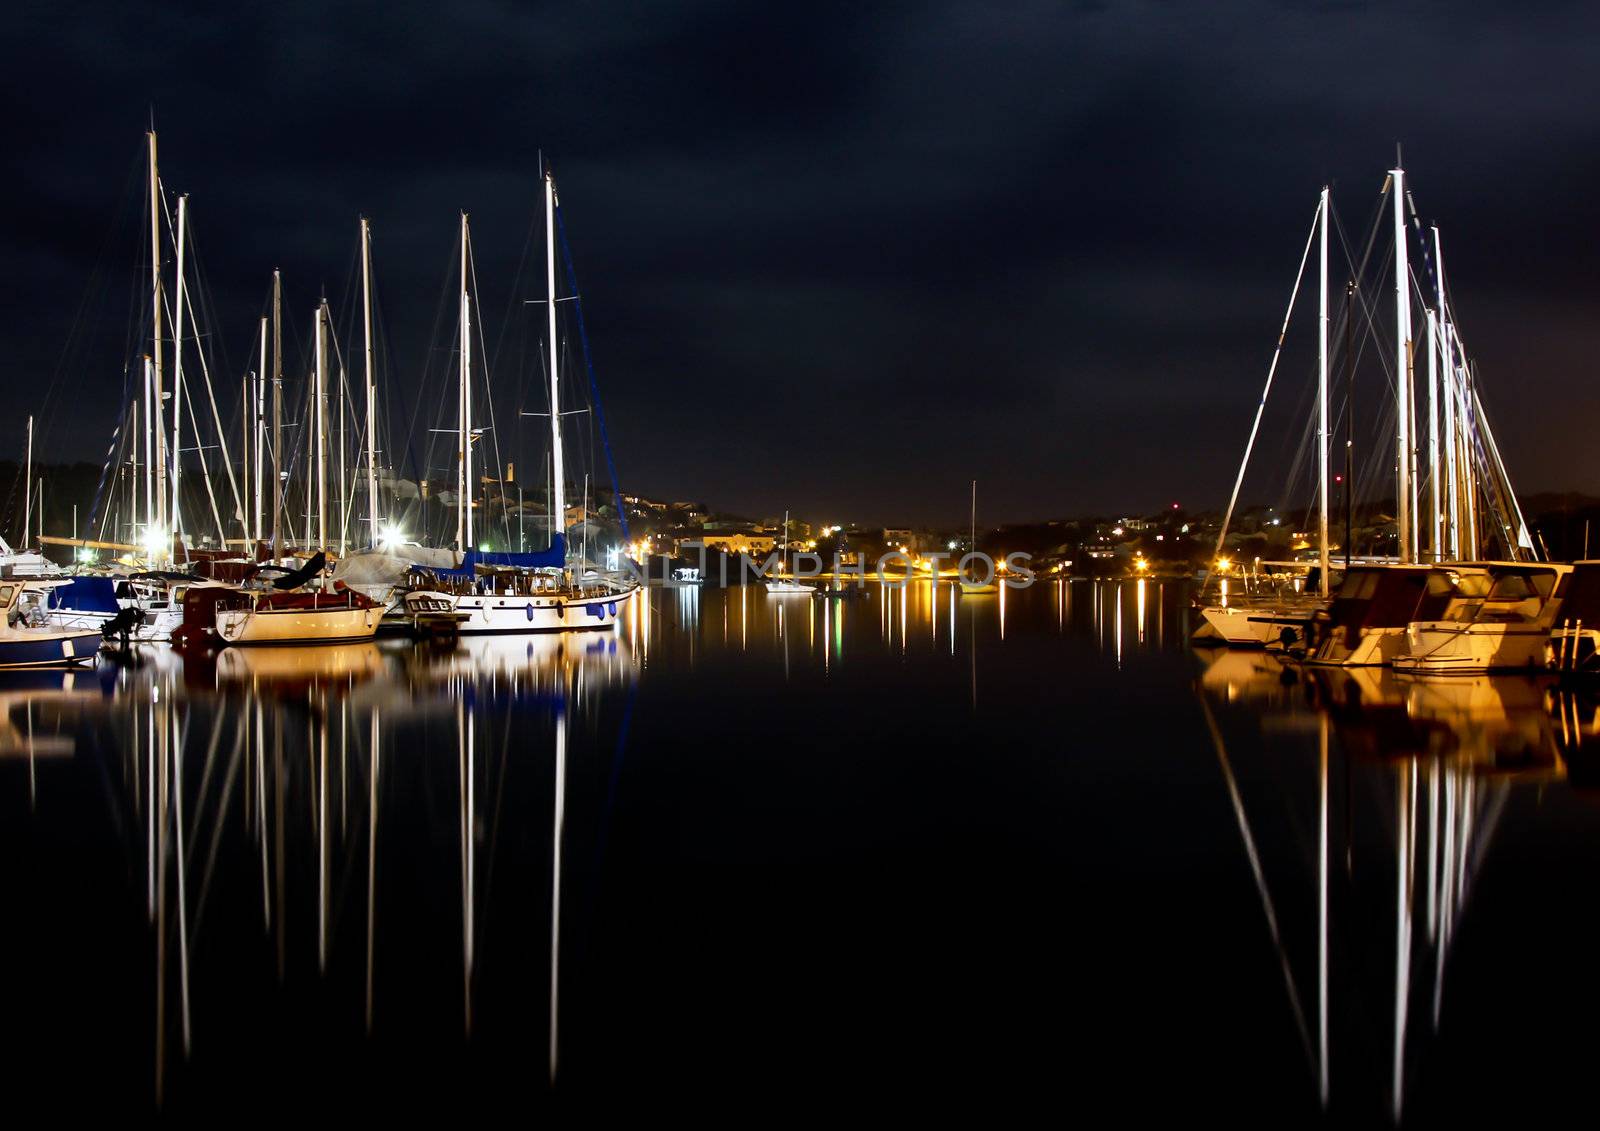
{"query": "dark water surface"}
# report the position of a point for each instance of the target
(754, 856)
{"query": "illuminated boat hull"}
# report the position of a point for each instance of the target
(23, 648)
(486, 614)
(265, 625)
(1448, 647)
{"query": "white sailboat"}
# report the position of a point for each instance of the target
(521, 593)
(976, 588)
(787, 586)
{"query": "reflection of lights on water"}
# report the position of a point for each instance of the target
(1141, 610)
(1117, 626)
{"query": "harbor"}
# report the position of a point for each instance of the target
(744, 565)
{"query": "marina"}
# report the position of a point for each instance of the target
(915, 564)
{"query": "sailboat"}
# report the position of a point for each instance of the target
(975, 588)
(523, 592)
(787, 586)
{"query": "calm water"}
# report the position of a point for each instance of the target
(761, 855)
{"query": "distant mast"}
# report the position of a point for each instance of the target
(558, 496)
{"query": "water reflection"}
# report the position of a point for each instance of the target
(1428, 769)
(285, 750)
(416, 847)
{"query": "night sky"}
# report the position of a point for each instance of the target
(837, 258)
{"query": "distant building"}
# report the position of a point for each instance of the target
(740, 542)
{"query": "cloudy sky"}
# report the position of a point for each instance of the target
(838, 258)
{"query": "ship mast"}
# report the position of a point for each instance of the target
(464, 460)
(372, 391)
(155, 415)
(321, 409)
(258, 407)
(1322, 404)
(277, 409)
(1402, 314)
(558, 497)
(177, 366)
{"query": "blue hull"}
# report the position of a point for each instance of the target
(48, 651)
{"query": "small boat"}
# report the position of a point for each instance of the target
(27, 641)
(787, 586)
(1508, 630)
(976, 588)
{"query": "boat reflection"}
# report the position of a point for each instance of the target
(1419, 771)
(274, 770)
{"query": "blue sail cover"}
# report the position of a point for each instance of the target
(86, 595)
(553, 558)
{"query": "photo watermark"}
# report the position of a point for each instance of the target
(893, 569)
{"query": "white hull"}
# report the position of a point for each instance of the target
(520, 614)
(153, 627)
(297, 626)
(1256, 626)
(784, 588)
(1447, 647)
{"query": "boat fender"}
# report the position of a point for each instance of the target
(528, 608)
(561, 610)
(612, 608)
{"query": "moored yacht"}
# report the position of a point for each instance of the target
(1366, 622)
(28, 641)
(1508, 630)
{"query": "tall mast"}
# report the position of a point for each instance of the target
(133, 489)
(27, 488)
(156, 416)
(149, 453)
(1447, 375)
(558, 495)
(177, 364)
(1322, 405)
(344, 476)
(321, 409)
(258, 412)
(1402, 371)
(277, 409)
(247, 430)
(1349, 420)
(464, 464)
(1435, 551)
(372, 389)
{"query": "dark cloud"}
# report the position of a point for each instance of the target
(837, 257)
